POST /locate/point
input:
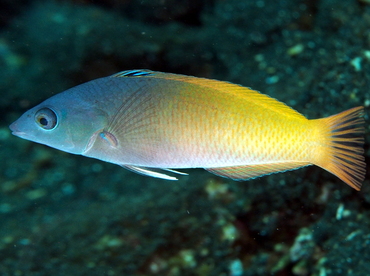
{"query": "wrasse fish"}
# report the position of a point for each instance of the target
(152, 122)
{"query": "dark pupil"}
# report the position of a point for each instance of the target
(43, 121)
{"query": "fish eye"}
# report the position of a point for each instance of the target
(46, 118)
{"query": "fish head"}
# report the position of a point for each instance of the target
(64, 121)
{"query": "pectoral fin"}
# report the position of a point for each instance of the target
(152, 172)
(254, 171)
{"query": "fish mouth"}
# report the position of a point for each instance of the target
(15, 131)
(18, 133)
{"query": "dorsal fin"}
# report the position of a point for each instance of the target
(236, 90)
(133, 73)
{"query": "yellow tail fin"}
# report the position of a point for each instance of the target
(340, 151)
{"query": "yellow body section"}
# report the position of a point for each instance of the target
(222, 125)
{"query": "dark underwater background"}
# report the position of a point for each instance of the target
(62, 214)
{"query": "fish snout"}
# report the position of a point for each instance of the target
(15, 131)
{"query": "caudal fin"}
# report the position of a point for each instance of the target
(341, 147)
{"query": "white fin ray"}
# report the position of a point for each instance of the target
(151, 172)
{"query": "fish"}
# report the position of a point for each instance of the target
(154, 123)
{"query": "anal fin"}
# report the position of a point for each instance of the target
(253, 171)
